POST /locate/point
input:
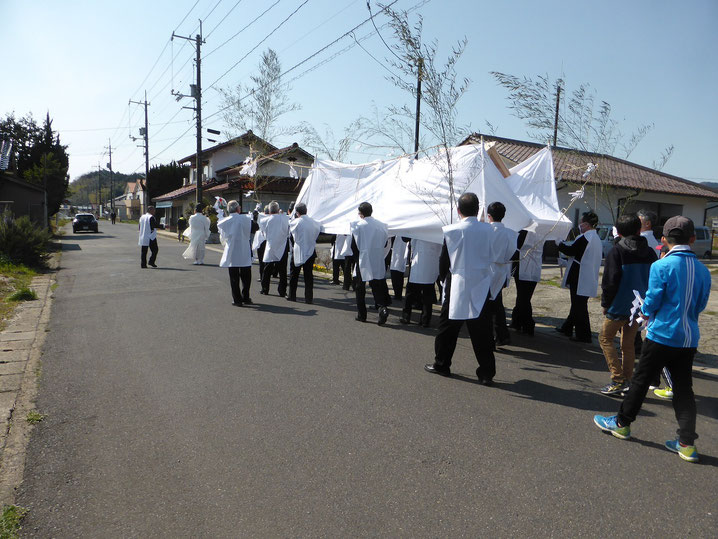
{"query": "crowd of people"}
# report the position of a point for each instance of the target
(660, 285)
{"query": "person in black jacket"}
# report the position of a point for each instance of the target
(626, 268)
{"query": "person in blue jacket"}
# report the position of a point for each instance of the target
(678, 290)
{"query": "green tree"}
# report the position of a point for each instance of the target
(165, 178)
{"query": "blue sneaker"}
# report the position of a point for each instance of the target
(610, 424)
(686, 452)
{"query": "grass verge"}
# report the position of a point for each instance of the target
(13, 278)
(10, 521)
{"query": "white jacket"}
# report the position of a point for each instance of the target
(234, 232)
(505, 246)
(530, 256)
(590, 265)
(275, 228)
(146, 235)
(305, 231)
(371, 237)
(424, 262)
(398, 255)
(471, 252)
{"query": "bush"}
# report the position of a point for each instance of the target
(21, 242)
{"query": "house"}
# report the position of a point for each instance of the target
(21, 198)
(129, 204)
(279, 174)
(614, 187)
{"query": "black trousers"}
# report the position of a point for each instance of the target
(260, 256)
(281, 269)
(679, 362)
(522, 317)
(422, 293)
(498, 315)
(482, 340)
(578, 316)
(397, 283)
(342, 265)
(246, 275)
(348, 267)
(143, 253)
(379, 290)
(308, 269)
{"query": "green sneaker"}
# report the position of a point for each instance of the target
(686, 452)
(665, 394)
(610, 424)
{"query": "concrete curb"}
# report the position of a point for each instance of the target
(21, 345)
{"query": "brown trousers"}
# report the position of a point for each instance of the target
(621, 371)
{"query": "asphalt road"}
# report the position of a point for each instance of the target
(171, 413)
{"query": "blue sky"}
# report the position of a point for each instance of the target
(653, 61)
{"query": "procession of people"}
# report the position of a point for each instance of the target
(477, 260)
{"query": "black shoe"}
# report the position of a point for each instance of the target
(360, 318)
(576, 339)
(309, 301)
(426, 324)
(404, 320)
(153, 265)
(248, 301)
(291, 299)
(264, 292)
(503, 342)
(562, 332)
(383, 315)
(237, 304)
(335, 282)
(483, 380)
(143, 267)
(433, 369)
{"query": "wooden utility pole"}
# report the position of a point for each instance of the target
(197, 94)
(109, 166)
(420, 65)
(145, 134)
(555, 122)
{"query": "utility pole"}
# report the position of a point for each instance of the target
(558, 101)
(196, 92)
(99, 189)
(420, 65)
(145, 133)
(109, 165)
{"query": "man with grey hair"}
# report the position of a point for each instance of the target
(305, 232)
(234, 232)
(275, 228)
(648, 220)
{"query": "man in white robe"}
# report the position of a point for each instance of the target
(235, 232)
(369, 241)
(198, 235)
(527, 274)
(505, 244)
(423, 272)
(339, 259)
(275, 228)
(581, 277)
(305, 232)
(465, 264)
(148, 238)
(397, 266)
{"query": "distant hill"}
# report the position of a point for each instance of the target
(83, 189)
(711, 185)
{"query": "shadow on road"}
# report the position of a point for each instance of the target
(264, 307)
(705, 460)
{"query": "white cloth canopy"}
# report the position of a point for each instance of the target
(412, 196)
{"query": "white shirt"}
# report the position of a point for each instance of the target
(424, 262)
(505, 245)
(275, 228)
(371, 237)
(653, 243)
(146, 235)
(305, 231)
(471, 252)
(234, 232)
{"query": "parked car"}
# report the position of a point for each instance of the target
(703, 246)
(84, 221)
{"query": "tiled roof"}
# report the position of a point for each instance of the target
(182, 191)
(269, 183)
(294, 147)
(248, 137)
(569, 165)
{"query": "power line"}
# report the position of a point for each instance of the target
(258, 44)
(242, 30)
(368, 6)
(223, 19)
(187, 15)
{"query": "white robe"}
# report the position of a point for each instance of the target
(198, 233)
(275, 228)
(590, 265)
(305, 231)
(398, 255)
(530, 259)
(471, 252)
(505, 245)
(371, 237)
(234, 232)
(424, 262)
(653, 243)
(340, 246)
(145, 233)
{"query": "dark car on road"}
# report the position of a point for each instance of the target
(84, 221)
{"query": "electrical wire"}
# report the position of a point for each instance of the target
(223, 18)
(368, 6)
(185, 17)
(242, 30)
(258, 44)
